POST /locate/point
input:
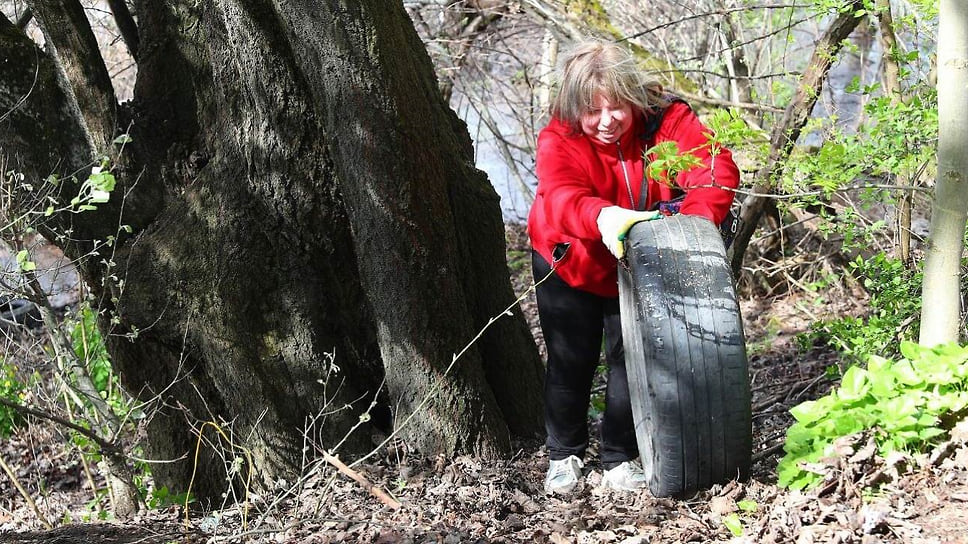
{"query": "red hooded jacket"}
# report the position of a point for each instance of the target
(578, 176)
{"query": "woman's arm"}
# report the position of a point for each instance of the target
(703, 184)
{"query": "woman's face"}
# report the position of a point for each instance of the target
(606, 121)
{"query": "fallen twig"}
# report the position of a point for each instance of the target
(763, 454)
(810, 385)
(760, 406)
(384, 497)
(23, 492)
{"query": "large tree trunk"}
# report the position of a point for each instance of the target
(299, 188)
(942, 265)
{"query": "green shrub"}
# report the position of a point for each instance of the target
(907, 404)
(13, 390)
(895, 303)
(89, 348)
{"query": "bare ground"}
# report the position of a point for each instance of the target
(917, 500)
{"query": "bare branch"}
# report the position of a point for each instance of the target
(721, 12)
(105, 446)
(787, 131)
(127, 26)
(23, 493)
(697, 98)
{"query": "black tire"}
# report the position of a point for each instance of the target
(686, 356)
(18, 312)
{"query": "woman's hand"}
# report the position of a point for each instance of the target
(614, 223)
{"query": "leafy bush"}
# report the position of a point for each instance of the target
(894, 141)
(89, 347)
(895, 302)
(162, 498)
(10, 389)
(907, 404)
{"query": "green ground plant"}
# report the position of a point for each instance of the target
(13, 390)
(89, 347)
(907, 404)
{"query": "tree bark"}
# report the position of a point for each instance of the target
(787, 131)
(33, 106)
(298, 188)
(80, 66)
(740, 87)
(941, 291)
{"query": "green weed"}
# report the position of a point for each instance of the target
(12, 390)
(907, 404)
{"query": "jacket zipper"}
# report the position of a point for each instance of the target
(628, 184)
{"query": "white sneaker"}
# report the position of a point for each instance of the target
(628, 476)
(563, 475)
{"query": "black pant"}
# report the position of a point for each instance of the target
(572, 322)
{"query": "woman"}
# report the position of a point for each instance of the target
(592, 187)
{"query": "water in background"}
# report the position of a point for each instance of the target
(488, 156)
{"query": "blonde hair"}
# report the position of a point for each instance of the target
(594, 67)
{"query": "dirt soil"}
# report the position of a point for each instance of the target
(864, 499)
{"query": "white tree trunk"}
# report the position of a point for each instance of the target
(941, 294)
(546, 70)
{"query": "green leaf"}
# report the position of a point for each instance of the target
(854, 385)
(786, 472)
(799, 437)
(123, 139)
(883, 383)
(903, 438)
(957, 401)
(807, 412)
(905, 373)
(912, 350)
(732, 522)
(900, 407)
(23, 260)
(99, 197)
(102, 181)
(849, 423)
(927, 420)
(747, 505)
(806, 479)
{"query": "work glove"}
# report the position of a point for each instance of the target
(614, 223)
